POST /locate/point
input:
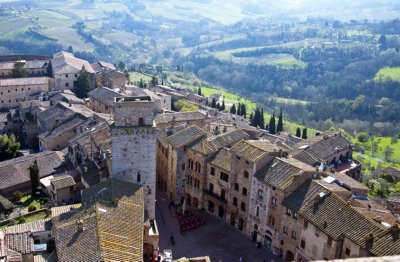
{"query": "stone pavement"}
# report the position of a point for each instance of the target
(216, 238)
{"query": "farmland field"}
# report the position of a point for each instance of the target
(392, 73)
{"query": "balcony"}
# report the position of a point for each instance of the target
(216, 196)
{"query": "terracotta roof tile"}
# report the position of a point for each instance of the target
(222, 159)
(63, 182)
(186, 136)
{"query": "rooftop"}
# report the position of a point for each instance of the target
(254, 150)
(15, 171)
(109, 226)
(169, 118)
(281, 172)
(222, 159)
(24, 81)
(64, 181)
(320, 148)
(186, 136)
(104, 95)
(67, 63)
(213, 144)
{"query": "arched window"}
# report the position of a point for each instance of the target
(235, 201)
(236, 187)
(138, 177)
(258, 211)
(199, 167)
(246, 174)
(244, 191)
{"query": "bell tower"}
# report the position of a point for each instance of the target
(133, 138)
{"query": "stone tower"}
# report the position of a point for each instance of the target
(133, 137)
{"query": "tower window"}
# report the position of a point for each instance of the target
(138, 177)
(141, 121)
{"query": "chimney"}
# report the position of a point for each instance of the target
(79, 226)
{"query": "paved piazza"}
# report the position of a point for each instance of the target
(215, 239)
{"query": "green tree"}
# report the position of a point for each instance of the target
(82, 86)
(121, 66)
(222, 105)
(233, 109)
(154, 81)
(18, 70)
(362, 137)
(239, 110)
(388, 152)
(9, 147)
(199, 91)
(298, 132)
(214, 103)
(243, 110)
(34, 175)
(279, 128)
(304, 135)
(272, 123)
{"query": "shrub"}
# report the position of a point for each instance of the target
(17, 195)
(31, 208)
(362, 137)
(21, 220)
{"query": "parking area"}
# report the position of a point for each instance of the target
(215, 239)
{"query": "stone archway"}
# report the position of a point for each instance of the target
(289, 256)
(195, 202)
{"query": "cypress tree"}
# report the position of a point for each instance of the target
(214, 103)
(223, 105)
(298, 132)
(218, 106)
(243, 110)
(279, 128)
(199, 91)
(251, 118)
(262, 121)
(256, 118)
(239, 109)
(304, 136)
(34, 175)
(233, 109)
(272, 129)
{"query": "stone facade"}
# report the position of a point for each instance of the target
(14, 91)
(133, 137)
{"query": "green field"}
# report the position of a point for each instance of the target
(392, 73)
(186, 80)
(136, 76)
(373, 159)
(288, 61)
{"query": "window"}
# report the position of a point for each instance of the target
(274, 201)
(347, 251)
(211, 188)
(303, 244)
(289, 212)
(76, 75)
(222, 193)
(183, 167)
(66, 75)
(224, 177)
(246, 174)
(294, 234)
(138, 177)
(305, 225)
(271, 220)
(296, 215)
(141, 121)
(235, 201)
(285, 230)
(236, 187)
(316, 232)
(67, 84)
(243, 206)
(213, 171)
(329, 242)
(244, 191)
(258, 211)
(199, 168)
(247, 162)
(260, 193)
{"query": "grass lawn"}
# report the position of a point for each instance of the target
(392, 73)
(136, 76)
(28, 200)
(289, 61)
(372, 160)
(30, 218)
